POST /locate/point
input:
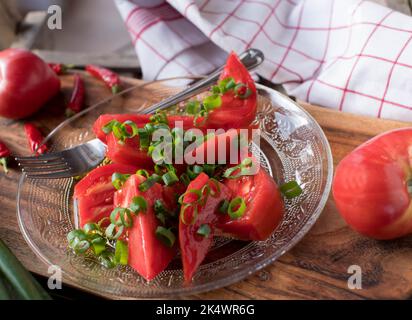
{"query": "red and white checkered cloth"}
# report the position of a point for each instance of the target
(350, 55)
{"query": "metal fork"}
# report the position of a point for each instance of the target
(84, 157)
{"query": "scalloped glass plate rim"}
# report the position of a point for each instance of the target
(240, 274)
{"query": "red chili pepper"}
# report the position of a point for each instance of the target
(4, 154)
(35, 137)
(60, 68)
(110, 78)
(77, 99)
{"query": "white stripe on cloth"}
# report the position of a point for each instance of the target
(349, 55)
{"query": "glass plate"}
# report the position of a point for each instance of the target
(292, 147)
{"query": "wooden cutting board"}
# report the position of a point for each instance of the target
(316, 268)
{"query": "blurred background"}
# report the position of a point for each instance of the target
(93, 32)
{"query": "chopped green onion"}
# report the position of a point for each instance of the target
(110, 231)
(133, 126)
(121, 253)
(98, 245)
(78, 241)
(121, 217)
(144, 139)
(159, 117)
(185, 179)
(242, 91)
(291, 189)
(119, 179)
(108, 127)
(139, 204)
(204, 230)
(143, 172)
(106, 258)
(170, 178)
(193, 107)
(212, 102)
(244, 169)
(196, 192)
(91, 228)
(223, 206)
(209, 169)
(237, 208)
(183, 213)
(215, 189)
(197, 169)
(149, 182)
(166, 236)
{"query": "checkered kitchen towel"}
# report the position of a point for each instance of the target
(349, 55)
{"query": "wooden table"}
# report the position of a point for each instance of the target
(316, 268)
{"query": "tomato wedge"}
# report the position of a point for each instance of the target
(264, 207)
(127, 153)
(235, 112)
(139, 119)
(94, 193)
(147, 254)
(223, 148)
(193, 246)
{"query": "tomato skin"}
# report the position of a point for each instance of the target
(147, 254)
(127, 153)
(139, 119)
(26, 83)
(94, 193)
(264, 207)
(235, 112)
(370, 186)
(193, 246)
(222, 148)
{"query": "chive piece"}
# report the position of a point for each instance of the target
(212, 102)
(98, 244)
(223, 206)
(170, 178)
(193, 107)
(291, 189)
(133, 126)
(185, 179)
(237, 208)
(107, 259)
(144, 138)
(149, 182)
(139, 204)
(108, 127)
(166, 236)
(121, 253)
(119, 179)
(143, 172)
(204, 230)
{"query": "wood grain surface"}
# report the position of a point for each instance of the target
(316, 268)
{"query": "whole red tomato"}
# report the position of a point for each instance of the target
(26, 83)
(371, 186)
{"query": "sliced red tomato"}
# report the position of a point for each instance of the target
(194, 246)
(147, 254)
(235, 112)
(264, 207)
(128, 152)
(222, 149)
(94, 193)
(140, 120)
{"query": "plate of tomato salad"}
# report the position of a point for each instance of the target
(141, 226)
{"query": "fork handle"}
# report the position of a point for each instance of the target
(251, 58)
